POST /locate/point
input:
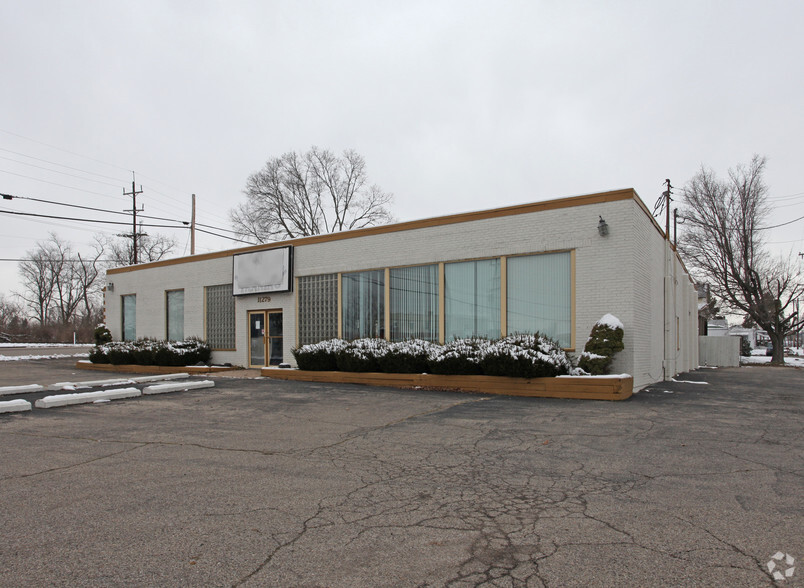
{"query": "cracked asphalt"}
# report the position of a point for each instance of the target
(268, 483)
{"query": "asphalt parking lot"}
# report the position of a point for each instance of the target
(259, 482)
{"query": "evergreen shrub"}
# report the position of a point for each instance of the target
(525, 356)
(605, 340)
(362, 355)
(460, 357)
(322, 356)
(152, 352)
(406, 357)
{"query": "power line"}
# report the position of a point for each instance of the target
(88, 220)
(42, 200)
(55, 171)
(55, 184)
(60, 164)
(223, 236)
(64, 150)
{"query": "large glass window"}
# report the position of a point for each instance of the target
(363, 299)
(414, 303)
(174, 314)
(129, 325)
(539, 295)
(472, 299)
(318, 308)
(220, 317)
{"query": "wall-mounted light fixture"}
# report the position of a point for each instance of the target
(110, 287)
(602, 227)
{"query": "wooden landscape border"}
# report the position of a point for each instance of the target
(581, 387)
(151, 369)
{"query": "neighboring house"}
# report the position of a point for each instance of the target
(555, 267)
(707, 307)
(718, 327)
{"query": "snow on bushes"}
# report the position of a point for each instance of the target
(152, 352)
(321, 356)
(362, 355)
(604, 341)
(525, 356)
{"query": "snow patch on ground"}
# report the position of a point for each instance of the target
(688, 382)
(764, 359)
(27, 357)
(40, 345)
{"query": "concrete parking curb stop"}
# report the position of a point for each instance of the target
(163, 388)
(8, 390)
(15, 406)
(86, 397)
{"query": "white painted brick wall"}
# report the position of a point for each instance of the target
(621, 274)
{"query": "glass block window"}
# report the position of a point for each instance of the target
(174, 315)
(318, 308)
(363, 299)
(414, 303)
(129, 325)
(472, 299)
(540, 295)
(220, 317)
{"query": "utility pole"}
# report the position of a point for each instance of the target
(192, 229)
(667, 209)
(134, 210)
(675, 227)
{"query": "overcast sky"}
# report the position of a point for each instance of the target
(455, 106)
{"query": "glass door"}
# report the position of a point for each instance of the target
(265, 338)
(256, 329)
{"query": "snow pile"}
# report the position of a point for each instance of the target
(27, 357)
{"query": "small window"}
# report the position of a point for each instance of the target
(220, 317)
(129, 303)
(174, 315)
(318, 308)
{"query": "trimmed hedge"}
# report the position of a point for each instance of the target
(605, 340)
(524, 356)
(152, 352)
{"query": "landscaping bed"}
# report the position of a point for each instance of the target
(618, 387)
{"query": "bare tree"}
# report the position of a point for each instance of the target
(57, 280)
(38, 282)
(309, 194)
(149, 248)
(12, 320)
(723, 244)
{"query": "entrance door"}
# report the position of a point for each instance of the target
(265, 337)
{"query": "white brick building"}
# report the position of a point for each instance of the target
(543, 266)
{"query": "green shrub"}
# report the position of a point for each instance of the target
(406, 357)
(460, 357)
(152, 352)
(605, 340)
(98, 355)
(102, 335)
(745, 346)
(322, 356)
(362, 355)
(525, 356)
